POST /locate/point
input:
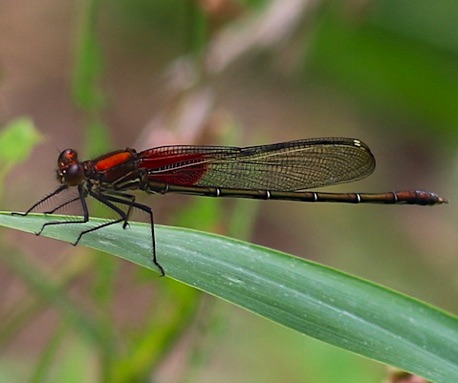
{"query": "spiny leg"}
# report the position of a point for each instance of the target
(132, 204)
(60, 189)
(129, 199)
(62, 205)
(104, 200)
(82, 198)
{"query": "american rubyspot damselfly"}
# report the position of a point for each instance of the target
(278, 171)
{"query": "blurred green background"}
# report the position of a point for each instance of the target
(102, 75)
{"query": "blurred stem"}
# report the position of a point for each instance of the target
(87, 93)
(17, 318)
(170, 317)
(47, 289)
(196, 30)
(47, 357)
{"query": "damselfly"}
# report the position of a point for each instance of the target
(280, 171)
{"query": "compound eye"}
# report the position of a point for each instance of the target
(66, 158)
(73, 175)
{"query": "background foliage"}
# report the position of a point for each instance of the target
(98, 75)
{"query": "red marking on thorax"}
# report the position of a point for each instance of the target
(112, 161)
(188, 171)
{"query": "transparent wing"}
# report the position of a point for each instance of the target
(288, 166)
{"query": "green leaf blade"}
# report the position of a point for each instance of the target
(323, 303)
